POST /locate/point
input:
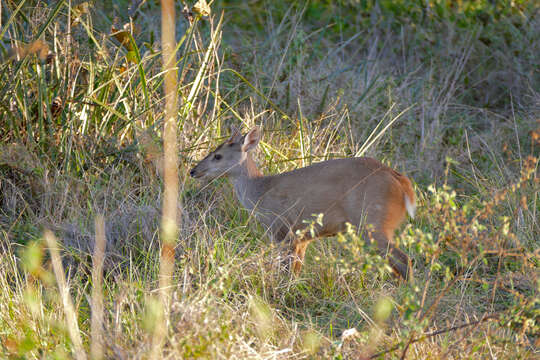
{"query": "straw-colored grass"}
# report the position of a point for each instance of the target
(445, 92)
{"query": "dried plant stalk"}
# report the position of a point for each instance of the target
(169, 228)
(96, 346)
(69, 310)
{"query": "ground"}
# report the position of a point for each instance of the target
(445, 92)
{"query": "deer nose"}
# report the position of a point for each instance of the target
(192, 172)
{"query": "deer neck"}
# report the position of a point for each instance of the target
(243, 178)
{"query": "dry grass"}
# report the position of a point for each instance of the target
(448, 96)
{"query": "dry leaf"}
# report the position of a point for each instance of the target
(125, 37)
(201, 7)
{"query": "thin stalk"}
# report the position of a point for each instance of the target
(301, 134)
(69, 311)
(371, 139)
(169, 229)
(96, 345)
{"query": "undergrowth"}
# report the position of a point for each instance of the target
(446, 92)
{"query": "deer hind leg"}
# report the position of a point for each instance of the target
(399, 261)
(385, 220)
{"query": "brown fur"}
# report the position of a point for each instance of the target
(354, 190)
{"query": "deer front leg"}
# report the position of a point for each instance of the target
(298, 253)
(293, 247)
(281, 235)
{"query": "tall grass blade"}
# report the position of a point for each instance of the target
(96, 345)
(254, 88)
(375, 136)
(11, 18)
(69, 311)
(196, 86)
(301, 134)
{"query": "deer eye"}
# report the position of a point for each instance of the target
(217, 157)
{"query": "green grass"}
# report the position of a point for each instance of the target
(446, 93)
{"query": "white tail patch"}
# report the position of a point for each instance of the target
(410, 206)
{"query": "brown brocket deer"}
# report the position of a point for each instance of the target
(353, 190)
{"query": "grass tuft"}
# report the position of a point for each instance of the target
(446, 92)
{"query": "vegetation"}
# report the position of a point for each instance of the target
(444, 91)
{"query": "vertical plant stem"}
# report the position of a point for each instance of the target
(69, 311)
(169, 228)
(302, 140)
(96, 345)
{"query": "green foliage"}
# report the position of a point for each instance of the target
(442, 90)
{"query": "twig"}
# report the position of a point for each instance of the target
(438, 332)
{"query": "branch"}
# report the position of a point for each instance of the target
(438, 332)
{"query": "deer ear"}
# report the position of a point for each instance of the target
(251, 139)
(236, 136)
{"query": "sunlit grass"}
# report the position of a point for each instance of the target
(446, 95)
